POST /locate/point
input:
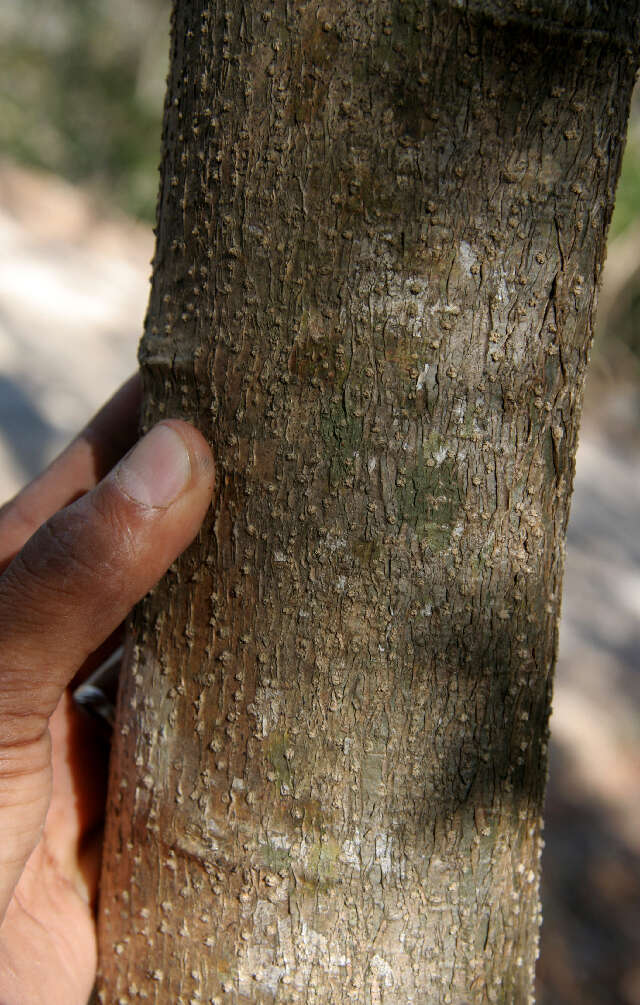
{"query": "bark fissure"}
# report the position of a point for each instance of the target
(380, 231)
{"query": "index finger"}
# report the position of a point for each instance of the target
(79, 468)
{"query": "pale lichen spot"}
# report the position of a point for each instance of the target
(334, 543)
(255, 973)
(350, 855)
(382, 970)
(266, 707)
(468, 256)
(310, 941)
(383, 853)
(422, 377)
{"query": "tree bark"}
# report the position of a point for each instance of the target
(381, 228)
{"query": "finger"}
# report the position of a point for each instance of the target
(86, 460)
(68, 589)
(79, 788)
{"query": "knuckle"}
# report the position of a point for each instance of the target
(54, 560)
(114, 518)
(91, 539)
(22, 730)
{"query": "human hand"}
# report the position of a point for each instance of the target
(68, 578)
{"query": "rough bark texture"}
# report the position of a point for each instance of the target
(381, 229)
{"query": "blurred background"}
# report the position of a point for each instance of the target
(81, 91)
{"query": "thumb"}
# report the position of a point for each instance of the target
(79, 575)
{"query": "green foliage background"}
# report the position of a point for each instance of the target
(628, 196)
(81, 91)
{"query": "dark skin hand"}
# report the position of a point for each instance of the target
(79, 547)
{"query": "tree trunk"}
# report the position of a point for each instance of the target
(381, 228)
